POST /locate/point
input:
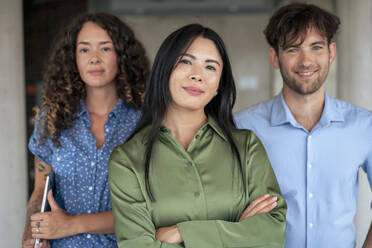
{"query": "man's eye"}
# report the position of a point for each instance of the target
(317, 47)
(292, 50)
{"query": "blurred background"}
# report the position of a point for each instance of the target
(28, 27)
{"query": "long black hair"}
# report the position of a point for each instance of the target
(158, 97)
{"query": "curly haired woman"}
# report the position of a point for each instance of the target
(94, 86)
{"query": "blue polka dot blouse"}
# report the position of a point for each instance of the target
(80, 184)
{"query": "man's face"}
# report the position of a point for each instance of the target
(304, 66)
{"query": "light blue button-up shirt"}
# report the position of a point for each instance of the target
(317, 171)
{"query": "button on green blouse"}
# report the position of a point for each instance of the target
(199, 189)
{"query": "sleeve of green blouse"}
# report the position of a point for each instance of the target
(262, 230)
(133, 223)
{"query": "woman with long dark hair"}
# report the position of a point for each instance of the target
(187, 177)
(93, 87)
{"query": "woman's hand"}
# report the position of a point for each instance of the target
(52, 225)
(262, 204)
(169, 235)
(30, 242)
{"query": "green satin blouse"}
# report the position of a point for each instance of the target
(199, 189)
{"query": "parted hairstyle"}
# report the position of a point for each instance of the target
(291, 22)
(63, 87)
(158, 97)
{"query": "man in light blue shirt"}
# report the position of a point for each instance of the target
(316, 144)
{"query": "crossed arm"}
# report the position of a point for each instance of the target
(262, 204)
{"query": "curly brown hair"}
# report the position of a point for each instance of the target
(63, 87)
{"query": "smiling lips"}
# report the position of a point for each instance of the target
(306, 74)
(195, 91)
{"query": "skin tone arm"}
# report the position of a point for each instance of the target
(368, 241)
(57, 223)
(262, 204)
(34, 204)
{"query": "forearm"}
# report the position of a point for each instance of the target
(34, 206)
(368, 241)
(262, 230)
(99, 223)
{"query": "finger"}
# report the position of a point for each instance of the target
(53, 204)
(268, 208)
(36, 217)
(40, 236)
(263, 206)
(29, 243)
(36, 224)
(255, 202)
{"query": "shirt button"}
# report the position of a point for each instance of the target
(311, 195)
(88, 236)
(309, 136)
(311, 225)
(196, 194)
(92, 164)
(90, 188)
(310, 166)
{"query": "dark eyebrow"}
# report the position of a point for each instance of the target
(88, 43)
(213, 61)
(193, 57)
(187, 55)
(322, 42)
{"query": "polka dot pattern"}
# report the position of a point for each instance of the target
(80, 183)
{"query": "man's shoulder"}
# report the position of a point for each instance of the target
(259, 112)
(350, 111)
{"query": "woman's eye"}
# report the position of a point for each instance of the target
(184, 61)
(106, 49)
(83, 50)
(211, 67)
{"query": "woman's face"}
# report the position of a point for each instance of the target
(95, 56)
(196, 76)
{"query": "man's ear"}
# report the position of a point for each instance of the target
(332, 52)
(274, 60)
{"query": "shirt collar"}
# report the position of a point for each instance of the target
(331, 112)
(280, 113)
(213, 124)
(210, 123)
(118, 107)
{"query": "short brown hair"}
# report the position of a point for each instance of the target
(292, 21)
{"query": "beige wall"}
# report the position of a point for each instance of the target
(13, 179)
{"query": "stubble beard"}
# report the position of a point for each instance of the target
(303, 88)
